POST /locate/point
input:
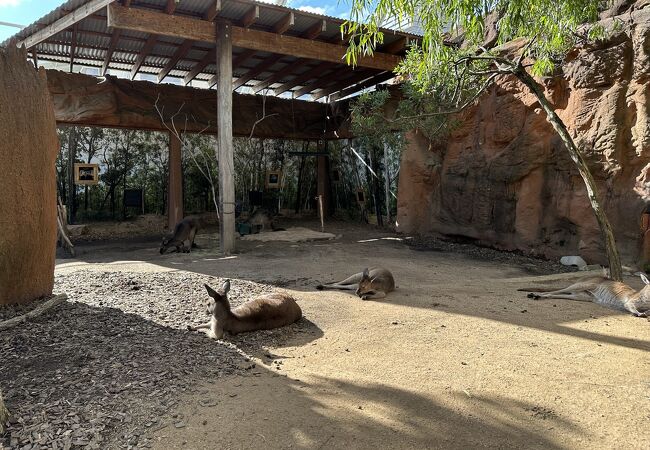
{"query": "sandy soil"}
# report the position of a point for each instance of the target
(455, 358)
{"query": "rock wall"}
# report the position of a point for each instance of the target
(28, 149)
(504, 177)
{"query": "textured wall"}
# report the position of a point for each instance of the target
(504, 177)
(28, 149)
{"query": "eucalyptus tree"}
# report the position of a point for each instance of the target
(463, 50)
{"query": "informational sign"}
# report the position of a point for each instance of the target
(86, 174)
(134, 198)
(273, 179)
(361, 196)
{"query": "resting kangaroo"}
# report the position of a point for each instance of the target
(185, 230)
(262, 313)
(373, 283)
(606, 292)
(262, 220)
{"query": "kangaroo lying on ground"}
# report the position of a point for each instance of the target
(262, 220)
(606, 292)
(373, 283)
(262, 313)
(185, 230)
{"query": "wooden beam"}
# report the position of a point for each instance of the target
(213, 11)
(284, 24)
(64, 22)
(252, 73)
(236, 62)
(315, 30)
(353, 80)
(171, 6)
(146, 49)
(395, 47)
(290, 67)
(224, 139)
(111, 49)
(148, 21)
(308, 75)
(251, 16)
(199, 67)
(73, 45)
(178, 55)
(361, 86)
(126, 3)
(321, 83)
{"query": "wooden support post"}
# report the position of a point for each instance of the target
(323, 183)
(387, 184)
(224, 141)
(175, 187)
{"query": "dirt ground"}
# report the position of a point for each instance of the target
(454, 358)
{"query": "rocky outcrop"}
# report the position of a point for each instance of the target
(28, 149)
(504, 178)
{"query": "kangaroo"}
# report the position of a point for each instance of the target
(606, 292)
(261, 220)
(262, 313)
(185, 230)
(371, 283)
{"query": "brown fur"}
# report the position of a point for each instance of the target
(185, 230)
(262, 313)
(371, 283)
(606, 292)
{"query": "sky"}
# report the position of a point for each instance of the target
(25, 12)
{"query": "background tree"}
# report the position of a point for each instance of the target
(460, 55)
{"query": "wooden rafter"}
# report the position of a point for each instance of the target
(126, 3)
(335, 87)
(252, 73)
(171, 6)
(312, 33)
(73, 45)
(346, 79)
(284, 24)
(148, 21)
(213, 11)
(178, 55)
(251, 16)
(146, 49)
(360, 86)
(64, 22)
(236, 62)
(306, 76)
(111, 49)
(209, 58)
(286, 70)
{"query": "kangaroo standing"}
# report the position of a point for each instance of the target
(371, 283)
(606, 292)
(185, 230)
(262, 313)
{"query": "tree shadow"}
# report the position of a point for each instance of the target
(85, 374)
(277, 412)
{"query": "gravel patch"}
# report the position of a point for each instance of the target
(107, 367)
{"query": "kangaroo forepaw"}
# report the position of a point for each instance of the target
(320, 287)
(533, 296)
(191, 328)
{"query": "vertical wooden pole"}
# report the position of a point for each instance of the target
(387, 184)
(175, 187)
(224, 141)
(323, 180)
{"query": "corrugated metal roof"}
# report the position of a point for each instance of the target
(93, 39)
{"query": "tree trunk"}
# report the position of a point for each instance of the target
(4, 414)
(615, 269)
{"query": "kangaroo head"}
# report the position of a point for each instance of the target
(218, 304)
(645, 292)
(165, 244)
(365, 285)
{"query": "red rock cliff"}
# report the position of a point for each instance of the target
(504, 177)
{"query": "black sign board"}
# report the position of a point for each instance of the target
(133, 198)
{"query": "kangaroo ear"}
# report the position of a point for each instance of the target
(644, 278)
(366, 274)
(225, 288)
(211, 292)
